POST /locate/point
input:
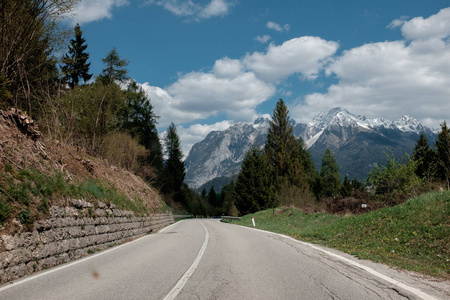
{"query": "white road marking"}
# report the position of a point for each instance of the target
(406, 287)
(180, 284)
(75, 262)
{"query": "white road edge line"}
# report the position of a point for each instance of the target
(180, 284)
(406, 287)
(72, 263)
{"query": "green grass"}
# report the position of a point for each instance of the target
(414, 235)
(23, 190)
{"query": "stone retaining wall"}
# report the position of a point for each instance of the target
(70, 233)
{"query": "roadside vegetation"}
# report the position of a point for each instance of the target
(414, 235)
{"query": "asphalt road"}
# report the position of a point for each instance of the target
(206, 259)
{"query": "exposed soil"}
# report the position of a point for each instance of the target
(23, 147)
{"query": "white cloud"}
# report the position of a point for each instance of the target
(216, 8)
(195, 10)
(227, 68)
(306, 55)
(436, 26)
(263, 39)
(387, 80)
(209, 94)
(94, 10)
(195, 133)
(398, 22)
(278, 27)
(166, 106)
(199, 95)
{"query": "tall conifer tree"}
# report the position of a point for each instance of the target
(140, 121)
(173, 172)
(425, 158)
(330, 179)
(115, 68)
(253, 187)
(443, 153)
(75, 66)
(282, 151)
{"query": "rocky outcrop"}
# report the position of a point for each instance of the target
(70, 233)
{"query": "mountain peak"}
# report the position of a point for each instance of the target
(261, 121)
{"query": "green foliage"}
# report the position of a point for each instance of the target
(425, 158)
(5, 210)
(173, 171)
(24, 216)
(254, 188)
(330, 179)
(395, 180)
(308, 164)
(443, 153)
(115, 68)
(140, 121)
(88, 114)
(228, 196)
(75, 66)
(283, 153)
(414, 235)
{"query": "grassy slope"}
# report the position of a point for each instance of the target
(414, 235)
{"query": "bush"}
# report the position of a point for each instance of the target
(122, 150)
(396, 181)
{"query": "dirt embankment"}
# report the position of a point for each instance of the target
(23, 148)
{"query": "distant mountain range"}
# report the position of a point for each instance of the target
(357, 142)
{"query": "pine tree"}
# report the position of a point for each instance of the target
(253, 187)
(140, 121)
(425, 158)
(282, 152)
(330, 179)
(75, 65)
(212, 197)
(443, 153)
(307, 163)
(173, 172)
(115, 68)
(346, 188)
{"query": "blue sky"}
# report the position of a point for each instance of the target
(207, 64)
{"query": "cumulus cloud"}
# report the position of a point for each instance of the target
(263, 38)
(94, 10)
(226, 89)
(436, 26)
(277, 27)
(237, 95)
(305, 55)
(194, 9)
(227, 68)
(389, 79)
(167, 107)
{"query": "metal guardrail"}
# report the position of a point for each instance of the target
(230, 218)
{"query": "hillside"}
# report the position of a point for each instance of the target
(36, 173)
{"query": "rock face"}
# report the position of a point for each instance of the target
(70, 233)
(357, 142)
(221, 153)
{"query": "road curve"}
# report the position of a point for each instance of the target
(206, 259)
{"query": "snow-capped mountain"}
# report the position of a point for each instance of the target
(357, 142)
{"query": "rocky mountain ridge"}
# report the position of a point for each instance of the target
(358, 143)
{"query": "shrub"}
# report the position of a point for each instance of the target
(122, 150)
(395, 180)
